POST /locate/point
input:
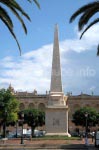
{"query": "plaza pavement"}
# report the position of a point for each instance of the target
(14, 144)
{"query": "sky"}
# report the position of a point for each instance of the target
(32, 70)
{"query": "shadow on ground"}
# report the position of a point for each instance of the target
(79, 147)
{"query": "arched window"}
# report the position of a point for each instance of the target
(31, 105)
(21, 106)
(97, 107)
(76, 106)
(87, 105)
(41, 106)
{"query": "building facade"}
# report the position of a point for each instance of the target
(35, 100)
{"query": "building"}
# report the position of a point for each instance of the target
(79, 101)
(34, 100)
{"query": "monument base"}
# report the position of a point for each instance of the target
(58, 134)
(56, 120)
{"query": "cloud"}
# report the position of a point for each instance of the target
(33, 69)
(29, 72)
(88, 41)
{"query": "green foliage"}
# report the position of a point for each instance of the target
(80, 119)
(9, 106)
(34, 117)
(57, 137)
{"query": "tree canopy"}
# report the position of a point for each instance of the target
(87, 12)
(34, 118)
(9, 107)
(79, 117)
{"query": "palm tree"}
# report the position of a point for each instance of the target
(16, 10)
(87, 12)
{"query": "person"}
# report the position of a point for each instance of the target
(86, 140)
(93, 134)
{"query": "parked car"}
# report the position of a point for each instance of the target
(37, 133)
(75, 134)
(0, 136)
(13, 135)
(10, 135)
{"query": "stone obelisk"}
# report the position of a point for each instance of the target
(56, 118)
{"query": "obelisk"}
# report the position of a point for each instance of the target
(56, 83)
(56, 118)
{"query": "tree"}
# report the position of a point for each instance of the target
(16, 9)
(9, 107)
(34, 118)
(80, 119)
(87, 11)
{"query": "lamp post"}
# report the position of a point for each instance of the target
(4, 119)
(22, 120)
(86, 125)
(32, 123)
(4, 126)
(86, 128)
(16, 129)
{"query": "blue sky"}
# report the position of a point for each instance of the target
(32, 70)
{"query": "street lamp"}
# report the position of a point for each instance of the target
(32, 123)
(86, 125)
(16, 129)
(22, 120)
(86, 129)
(5, 119)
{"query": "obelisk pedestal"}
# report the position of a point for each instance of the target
(56, 118)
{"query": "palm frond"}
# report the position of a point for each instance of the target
(86, 17)
(82, 9)
(29, 1)
(16, 6)
(91, 24)
(98, 50)
(16, 9)
(86, 12)
(11, 30)
(36, 2)
(5, 16)
(20, 19)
